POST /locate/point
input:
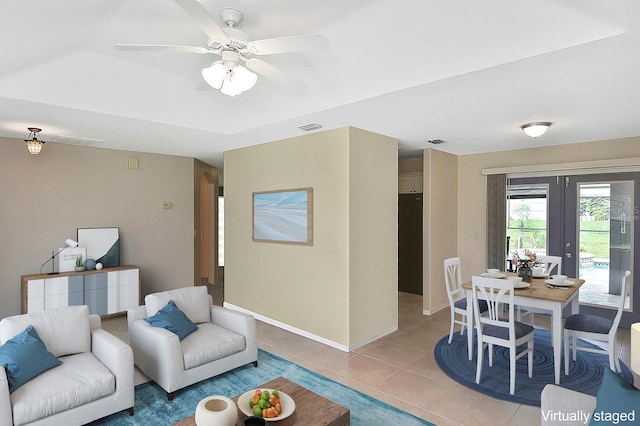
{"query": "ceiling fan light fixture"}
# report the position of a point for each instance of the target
(228, 75)
(215, 74)
(536, 128)
(244, 78)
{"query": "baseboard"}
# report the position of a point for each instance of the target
(373, 338)
(435, 310)
(308, 335)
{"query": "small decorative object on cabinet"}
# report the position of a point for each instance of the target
(110, 291)
(79, 264)
(90, 264)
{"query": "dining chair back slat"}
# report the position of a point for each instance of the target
(496, 329)
(552, 265)
(455, 294)
(593, 327)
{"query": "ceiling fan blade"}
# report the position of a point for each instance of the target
(273, 73)
(270, 46)
(203, 18)
(164, 48)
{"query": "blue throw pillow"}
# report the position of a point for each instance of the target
(173, 319)
(617, 401)
(25, 356)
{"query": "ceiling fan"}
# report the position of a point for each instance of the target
(234, 47)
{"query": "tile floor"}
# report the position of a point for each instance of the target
(399, 369)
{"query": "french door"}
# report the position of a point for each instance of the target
(589, 220)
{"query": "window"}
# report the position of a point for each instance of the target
(527, 218)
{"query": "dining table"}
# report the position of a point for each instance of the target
(539, 294)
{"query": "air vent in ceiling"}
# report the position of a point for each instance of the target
(77, 140)
(435, 141)
(310, 126)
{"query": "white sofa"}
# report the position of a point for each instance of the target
(225, 339)
(94, 380)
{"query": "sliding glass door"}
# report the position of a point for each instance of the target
(589, 220)
(600, 223)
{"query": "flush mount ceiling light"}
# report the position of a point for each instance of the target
(34, 145)
(535, 129)
(228, 75)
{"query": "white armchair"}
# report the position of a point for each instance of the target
(225, 339)
(94, 380)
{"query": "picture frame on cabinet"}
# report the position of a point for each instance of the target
(67, 258)
(102, 244)
(283, 216)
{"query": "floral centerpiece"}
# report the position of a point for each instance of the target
(523, 263)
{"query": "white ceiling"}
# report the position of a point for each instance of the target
(466, 71)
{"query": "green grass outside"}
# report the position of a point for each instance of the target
(591, 239)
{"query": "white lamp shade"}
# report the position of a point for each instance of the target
(71, 243)
(244, 78)
(238, 81)
(230, 87)
(215, 74)
(635, 348)
(536, 129)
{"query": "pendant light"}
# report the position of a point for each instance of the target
(34, 145)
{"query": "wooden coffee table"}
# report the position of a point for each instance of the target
(311, 408)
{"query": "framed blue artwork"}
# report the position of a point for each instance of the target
(283, 216)
(102, 244)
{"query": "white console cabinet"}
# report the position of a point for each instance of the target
(109, 291)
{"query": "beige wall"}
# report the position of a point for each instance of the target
(411, 165)
(309, 288)
(439, 224)
(44, 198)
(373, 235)
(472, 186)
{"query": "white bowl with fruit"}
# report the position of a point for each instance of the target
(270, 404)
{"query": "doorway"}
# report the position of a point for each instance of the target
(410, 243)
(206, 233)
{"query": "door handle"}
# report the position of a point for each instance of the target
(568, 255)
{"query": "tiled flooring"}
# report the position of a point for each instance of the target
(399, 369)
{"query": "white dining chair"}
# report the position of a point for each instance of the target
(594, 327)
(494, 329)
(552, 265)
(456, 295)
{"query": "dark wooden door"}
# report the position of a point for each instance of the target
(410, 243)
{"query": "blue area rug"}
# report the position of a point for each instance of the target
(585, 374)
(152, 408)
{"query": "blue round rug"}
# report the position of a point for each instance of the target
(585, 374)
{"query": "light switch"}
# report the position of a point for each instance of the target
(133, 163)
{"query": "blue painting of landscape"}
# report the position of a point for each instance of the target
(281, 216)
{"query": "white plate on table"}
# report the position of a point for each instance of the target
(288, 405)
(566, 283)
(521, 285)
(488, 275)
